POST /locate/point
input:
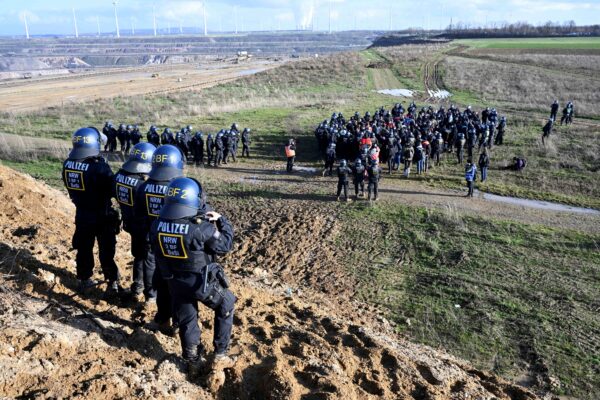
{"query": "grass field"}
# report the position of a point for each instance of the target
(592, 43)
(517, 299)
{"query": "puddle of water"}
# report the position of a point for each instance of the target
(439, 94)
(397, 92)
(538, 204)
(249, 72)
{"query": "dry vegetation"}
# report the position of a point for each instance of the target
(523, 86)
(587, 63)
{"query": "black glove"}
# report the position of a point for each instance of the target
(114, 220)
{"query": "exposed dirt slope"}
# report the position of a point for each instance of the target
(54, 343)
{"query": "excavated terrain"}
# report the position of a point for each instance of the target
(297, 334)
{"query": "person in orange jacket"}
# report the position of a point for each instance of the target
(290, 153)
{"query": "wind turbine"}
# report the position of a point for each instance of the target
(180, 28)
(75, 23)
(235, 13)
(154, 18)
(391, 19)
(132, 26)
(204, 17)
(330, 17)
(98, 25)
(116, 19)
(26, 26)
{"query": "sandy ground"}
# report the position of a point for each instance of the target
(57, 343)
(29, 95)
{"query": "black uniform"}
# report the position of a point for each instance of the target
(136, 136)
(343, 173)
(153, 137)
(359, 179)
(126, 187)
(210, 147)
(374, 173)
(89, 183)
(122, 136)
(148, 202)
(185, 254)
(246, 143)
(197, 147)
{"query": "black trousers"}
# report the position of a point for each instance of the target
(357, 185)
(290, 164)
(245, 150)
(471, 186)
(83, 241)
(342, 185)
(143, 265)
(373, 188)
(188, 289)
(164, 303)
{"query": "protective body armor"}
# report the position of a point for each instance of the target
(126, 188)
(89, 183)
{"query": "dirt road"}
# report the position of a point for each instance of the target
(29, 95)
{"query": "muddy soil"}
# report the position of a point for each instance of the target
(298, 333)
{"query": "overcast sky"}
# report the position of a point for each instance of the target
(56, 16)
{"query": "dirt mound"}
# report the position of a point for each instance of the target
(55, 343)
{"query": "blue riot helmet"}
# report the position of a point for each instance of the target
(140, 159)
(358, 162)
(343, 163)
(86, 143)
(167, 163)
(184, 198)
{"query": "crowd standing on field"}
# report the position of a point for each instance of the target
(214, 150)
(406, 139)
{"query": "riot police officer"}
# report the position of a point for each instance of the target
(88, 179)
(153, 137)
(246, 142)
(122, 136)
(127, 181)
(167, 164)
(197, 147)
(373, 173)
(186, 238)
(136, 135)
(343, 171)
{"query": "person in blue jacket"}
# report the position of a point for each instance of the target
(470, 176)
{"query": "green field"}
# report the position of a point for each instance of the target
(591, 43)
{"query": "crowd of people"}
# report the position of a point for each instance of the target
(400, 138)
(176, 238)
(566, 119)
(215, 149)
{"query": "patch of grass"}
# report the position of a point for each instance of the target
(48, 170)
(533, 43)
(510, 297)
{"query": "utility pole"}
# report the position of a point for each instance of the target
(116, 19)
(26, 26)
(75, 23)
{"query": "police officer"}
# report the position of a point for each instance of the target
(127, 182)
(167, 164)
(374, 173)
(343, 171)
(167, 137)
(136, 135)
(111, 136)
(210, 148)
(197, 147)
(554, 110)
(89, 179)
(246, 142)
(359, 178)
(186, 238)
(122, 136)
(153, 137)
(219, 148)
